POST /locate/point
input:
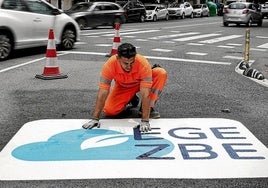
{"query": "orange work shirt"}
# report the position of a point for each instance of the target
(140, 74)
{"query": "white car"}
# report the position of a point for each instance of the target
(200, 10)
(181, 10)
(156, 12)
(26, 23)
(264, 10)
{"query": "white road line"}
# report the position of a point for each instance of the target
(233, 44)
(263, 46)
(103, 45)
(106, 32)
(220, 39)
(195, 44)
(236, 57)
(134, 32)
(174, 35)
(196, 37)
(223, 46)
(142, 40)
(27, 63)
(262, 37)
(104, 54)
(196, 53)
(161, 50)
(188, 60)
(257, 49)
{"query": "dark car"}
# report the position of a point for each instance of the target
(94, 14)
(135, 10)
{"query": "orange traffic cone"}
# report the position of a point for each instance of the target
(51, 70)
(116, 41)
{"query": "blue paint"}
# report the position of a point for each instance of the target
(67, 146)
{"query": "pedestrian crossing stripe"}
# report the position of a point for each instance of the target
(220, 39)
(263, 45)
(175, 148)
(196, 37)
(173, 35)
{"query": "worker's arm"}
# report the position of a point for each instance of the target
(100, 102)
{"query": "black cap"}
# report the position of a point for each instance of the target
(127, 50)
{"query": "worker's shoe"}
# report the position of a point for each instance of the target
(154, 114)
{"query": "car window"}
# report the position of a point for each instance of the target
(39, 7)
(237, 6)
(150, 7)
(80, 7)
(14, 5)
(110, 7)
(197, 6)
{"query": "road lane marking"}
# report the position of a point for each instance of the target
(220, 39)
(263, 46)
(174, 35)
(161, 50)
(134, 32)
(196, 37)
(104, 54)
(196, 53)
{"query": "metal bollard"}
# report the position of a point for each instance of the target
(246, 55)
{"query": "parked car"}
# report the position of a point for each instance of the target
(200, 10)
(156, 12)
(242, 13)
(180, 10)
(264, 10)
(26, 23)
(135, 10)
(94, 14)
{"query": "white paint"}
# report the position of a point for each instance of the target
(220, 39)
(196, 37)
(236, 57)
(233, 44)
(103, 45)
(257, 49)
(196, 53)
(233, 132)
(174, 35)
(134, 32)
(161, 50)
(223, 46)
(195, 44)
(263, 45)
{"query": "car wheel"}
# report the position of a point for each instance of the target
(142, 18)
(68, 39)
(155, 18)
(225, 24)
(192, 15)
(260, 23)
(182, 16)
(82, 23)
(167, 17)
(6, 46)
(249, 24)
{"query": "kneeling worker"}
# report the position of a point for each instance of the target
(132, 73)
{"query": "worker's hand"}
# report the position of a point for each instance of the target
(145, 126)
(94, 122)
